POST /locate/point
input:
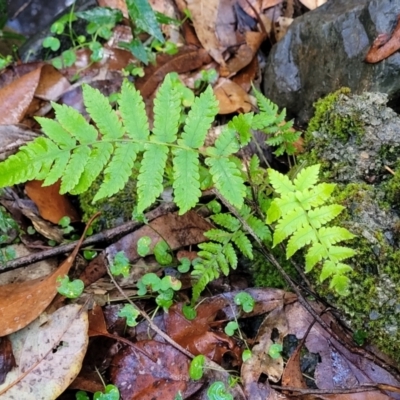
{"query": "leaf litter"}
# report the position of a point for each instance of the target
(151, 367)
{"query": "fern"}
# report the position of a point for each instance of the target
(272, 123)
(219, 255)
(120, 144)
(301, 216)
(77, 153)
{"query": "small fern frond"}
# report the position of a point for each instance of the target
(150, 179)
(281, 183)
(75, 168)
(167, 111)
(227, 179)
(133, 113)
(57, 133)
(99, 108)
(199, 119)
(74, 123)
(322, 215)
(302, 216)
(218, 235)
(99, 157)
(186, 179)
(306, 178)
(242, 124)
(226, 220)
(243, 243)
(118, 171)
(265, 105)
(230, 255)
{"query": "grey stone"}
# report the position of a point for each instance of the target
(324, 50)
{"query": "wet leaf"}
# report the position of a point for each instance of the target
(48, 355)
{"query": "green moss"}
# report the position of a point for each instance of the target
(373, 304)
(392, 188)
(266, 275)
(326, 119)
(114, 210)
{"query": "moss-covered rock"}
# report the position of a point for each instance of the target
(356, 159)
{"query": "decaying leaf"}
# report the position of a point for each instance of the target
(51, 204)
(21, 303)
(214, 23)
(45, 82)
(48, 355)
(231, 97)
(178, 230)
(160, 375)
(339, 368)
(187, 59)
(384, 46)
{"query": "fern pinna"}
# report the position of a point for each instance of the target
(76, 152)
(301, 215)
(219, 255)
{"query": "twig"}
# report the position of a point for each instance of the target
(106, 236)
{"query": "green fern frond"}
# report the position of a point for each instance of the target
(243, 243)
(302, 216)
(99, 108)
(186, 161)
(227, 221)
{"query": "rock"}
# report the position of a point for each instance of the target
(324, 50)
(355, 138)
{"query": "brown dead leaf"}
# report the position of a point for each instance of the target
(292, 375)
(196, 335)
(187, 59)
(178, 230)
(247, 75)
(52, 84)
(21, 303)
(261, 362)
(160, 375)
(281, 27)
(339, 367)
(244, 55)
(16, 97)
(12, 137)
(384, 46)
(214, 23)
(231, 97)
(48, 354)
(51, 204)
(258, 5)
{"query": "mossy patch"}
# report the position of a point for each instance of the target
(354, 154)
(114, 210)
(327, 119)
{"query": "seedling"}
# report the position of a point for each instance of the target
(275, 350)
(165, 288)
(68, 288)
(65, 223)
(120, 265)
(143, 246)
(130, 313)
